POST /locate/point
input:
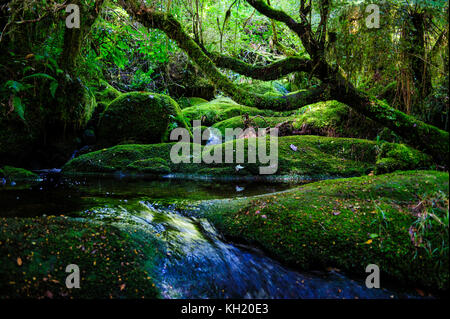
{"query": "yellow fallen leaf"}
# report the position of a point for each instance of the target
(369, 242)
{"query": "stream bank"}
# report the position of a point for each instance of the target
(172, 242)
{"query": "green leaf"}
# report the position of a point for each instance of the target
(19, 107)
(39, 75)
(14, 86)
(53, 88)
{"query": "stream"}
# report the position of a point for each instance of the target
(199, 262)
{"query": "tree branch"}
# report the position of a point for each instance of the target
(303, 30)
(167, 23)
(269, 72)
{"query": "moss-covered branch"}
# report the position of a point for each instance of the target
(269, 72)
(301, 29)
(174, 30)
(416, 133)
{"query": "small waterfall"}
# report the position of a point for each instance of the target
(199, 263)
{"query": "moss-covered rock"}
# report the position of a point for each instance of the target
(322, 115)
(185, 102)
(105, 94)
(218, 110)
(349, 224)
(150, 166)
(17, 174)
(314, 157)
(329, 118)
(255, 122)
(113, 262)
(394, 157)
(139, 117)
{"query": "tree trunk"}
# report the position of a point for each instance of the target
(73, 38)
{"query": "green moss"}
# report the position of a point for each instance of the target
(106, 94)
(315, 156)
(332, 118)
(322, 114)
(265, 87)
(329, 118)
(400, 157)
(139, 117)
(219, 110)
(185, 102)
(75, 104)
(150, 166)
(256, 122)
(17, 174)
(34, 253)
(117, 158)
(347, 223)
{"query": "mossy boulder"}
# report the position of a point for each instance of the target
(140, 117)
(150, 166)
(14, 173)
(329, 118)
(105, 94)
(320, 157)
(114, 262)
(313, 156)
(219, 110)
(394, 157)
(17, 174)
(255, 122)
(12, 178)
(349, 224)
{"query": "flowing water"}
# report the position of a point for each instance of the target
(198, 262)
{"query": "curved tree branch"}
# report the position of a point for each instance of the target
(301, 29)
(273, 71)
(166, 22)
